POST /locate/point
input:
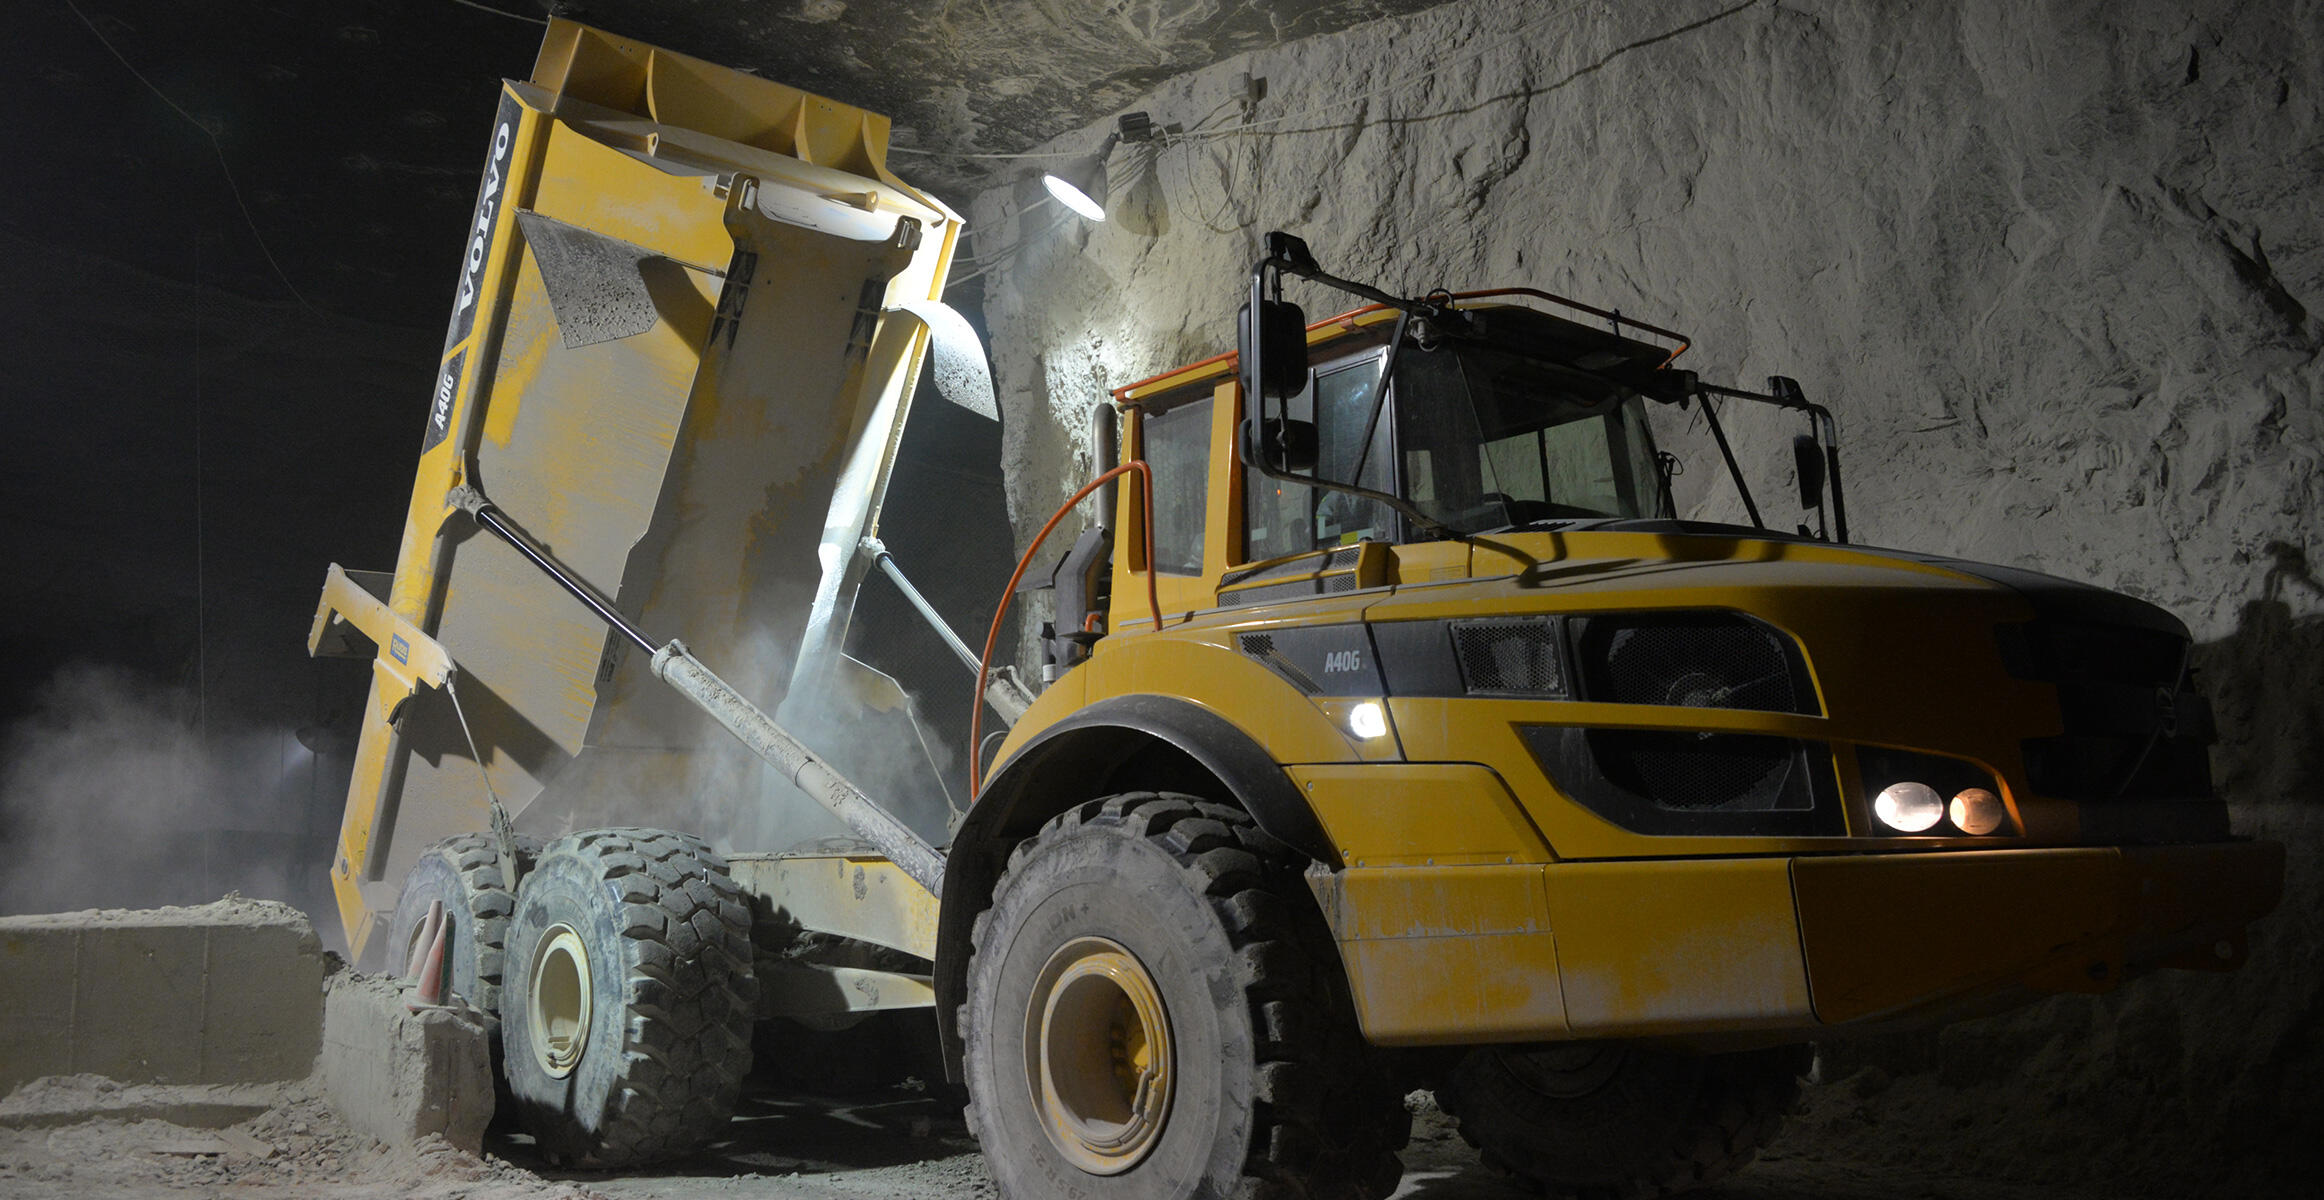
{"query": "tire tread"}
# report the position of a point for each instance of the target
(690, 998)
(1328, 1124)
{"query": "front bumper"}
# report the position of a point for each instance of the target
(1803, 945)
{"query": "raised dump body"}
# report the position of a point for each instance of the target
(684, 340)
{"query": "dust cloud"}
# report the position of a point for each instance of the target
(862, 723)
(696, 778)
(114, 794)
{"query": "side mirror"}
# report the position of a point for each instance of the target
(1282, 444)
(1281, 350)
(1807, 459)
(1672, 386)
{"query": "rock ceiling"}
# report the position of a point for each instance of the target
(327, 150)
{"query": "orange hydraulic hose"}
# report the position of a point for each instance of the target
(993, 636)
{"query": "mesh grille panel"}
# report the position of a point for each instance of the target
(1697, 660)
(1289, 590)
(1704, 772)
(1693, 784)
(1521, 657)
(1343, 559)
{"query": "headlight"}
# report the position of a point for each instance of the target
(1908, 807)
(1976, 811)
(1368, 720)
(1932, 794)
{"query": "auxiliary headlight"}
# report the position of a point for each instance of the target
(1977, 811)
(1931, 794)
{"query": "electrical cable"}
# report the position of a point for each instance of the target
(501, 12)
(986, 264)
(915, 150)
(503, 828)
(1262, 126)
(201, 557)
(215, 148)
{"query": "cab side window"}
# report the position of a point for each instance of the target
(1289, 518)
(1176, 444)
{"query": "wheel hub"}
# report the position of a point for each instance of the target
(557, 1013)
(1099, 1056)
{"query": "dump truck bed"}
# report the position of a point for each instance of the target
(683, 344)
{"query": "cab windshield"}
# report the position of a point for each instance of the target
(1477, 436)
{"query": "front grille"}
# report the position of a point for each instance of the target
(1691, 659)
(2080, 652)
(1514, 657)
(2135, 728)
(2105, 769)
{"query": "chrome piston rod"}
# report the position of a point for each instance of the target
(674, 665)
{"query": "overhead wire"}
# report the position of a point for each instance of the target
(1228, 169)
(1207, 130)
(215, 148)
(991, 261)
(1265, 126)
(502, 12)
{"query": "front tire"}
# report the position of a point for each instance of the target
(1618, 1120)
(628, 1013)
(1155, 1011)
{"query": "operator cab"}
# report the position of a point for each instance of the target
(1493, 420)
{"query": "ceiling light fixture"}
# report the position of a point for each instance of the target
(1081, 183)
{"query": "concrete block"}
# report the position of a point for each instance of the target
(36, 1009)
(263, 1004)
(399, 1075)
(221, 993)
(138, 1001)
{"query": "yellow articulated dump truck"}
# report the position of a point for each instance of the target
(1392, 731)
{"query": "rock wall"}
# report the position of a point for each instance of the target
(2052, 263)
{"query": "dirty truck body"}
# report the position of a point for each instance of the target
(1395, 734)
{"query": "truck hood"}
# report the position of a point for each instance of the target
(1672, 555)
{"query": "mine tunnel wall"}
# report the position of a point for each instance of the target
(2052, 265)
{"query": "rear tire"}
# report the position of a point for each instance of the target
(463, 872)
(1155, 1011)
(628, 1014)
(1616, 1120)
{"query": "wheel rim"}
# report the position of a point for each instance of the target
(557, 1012)
(1099, 1057)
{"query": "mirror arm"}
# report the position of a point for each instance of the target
(1255, 370)
(1380, 394)
(1829, 435)
(1719, 435)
